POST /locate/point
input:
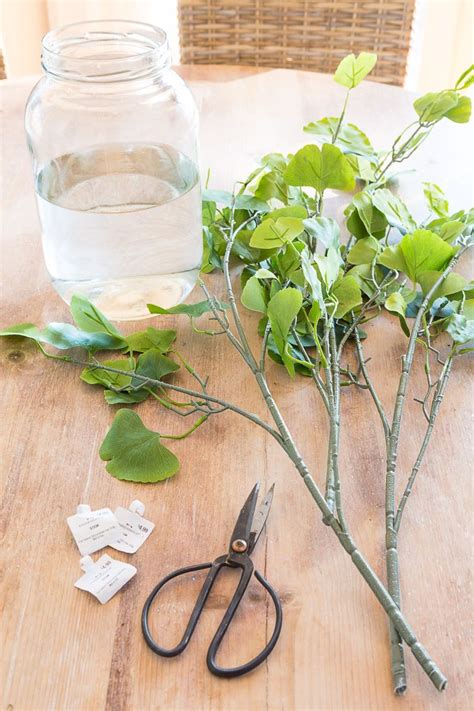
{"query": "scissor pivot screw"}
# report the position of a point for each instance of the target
(239, 545)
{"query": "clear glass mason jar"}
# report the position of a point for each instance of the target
(112, 132)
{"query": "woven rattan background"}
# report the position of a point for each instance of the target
(300, 34)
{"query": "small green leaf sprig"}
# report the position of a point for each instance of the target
(313, 291)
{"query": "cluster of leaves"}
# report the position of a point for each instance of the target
(300, 276)
(133, 452)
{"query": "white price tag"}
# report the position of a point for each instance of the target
(105, 577)
(93, 530)
(134, 529)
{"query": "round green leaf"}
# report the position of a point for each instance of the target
(135, 453)
(352, 69)
(320, 169)
(254, 295)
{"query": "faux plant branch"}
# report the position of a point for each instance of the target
(313, 294)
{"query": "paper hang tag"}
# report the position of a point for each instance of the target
(134, 529)
(105, 577)
(93, 530)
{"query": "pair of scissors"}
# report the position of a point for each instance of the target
(246, 533)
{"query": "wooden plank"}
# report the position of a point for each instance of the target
(64, 651)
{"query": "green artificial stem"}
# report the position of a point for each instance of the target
(388, 603)
(391, 532)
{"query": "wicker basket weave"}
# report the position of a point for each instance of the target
(299, 34)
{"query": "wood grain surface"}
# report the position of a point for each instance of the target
(61, 648)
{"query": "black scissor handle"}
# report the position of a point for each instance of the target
(247, 569)
(196, 613)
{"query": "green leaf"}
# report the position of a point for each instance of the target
(254, 295)
(452, 284)
(392, 257)
(312, 279)
(161, 339)
(363, 167)
(460, 328)
(274, 233)
(329, 266)
(436, 199)
(264, 274)
(282, 310)
(396, 303)
(135, 453)
(468, 309)
(395, 211)
(288, 261)
(208, 212)
(97, 376)
(450, 230)
(364, 251)
(466, 79)
(461, 113)
(352, 70)
(434, 106)
(362, 273)
(320, 169)
(250, 203)
(191, 310)
(125, 398)
(363, 219)
(350, 138)
(65, 336)
(223, 197)
(153, 364)
(267, 183)
(348, 295)
(324, 229)
(424, 251)
(90, 319)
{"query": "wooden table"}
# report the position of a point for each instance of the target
(65, 651)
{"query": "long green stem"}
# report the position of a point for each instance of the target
(397, 154)
(341, 118)
(330, 489)
(192, 429)
(336, 384)
(388, 603)
(391, 534)
(152, 382)
(313, 367)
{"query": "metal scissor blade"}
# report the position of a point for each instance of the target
(260, 518)
(244, 522)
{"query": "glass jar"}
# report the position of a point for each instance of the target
(112, 132)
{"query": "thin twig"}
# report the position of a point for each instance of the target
(313, 369)
(435, 406)
(370, 386)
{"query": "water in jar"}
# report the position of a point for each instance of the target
(121, 224)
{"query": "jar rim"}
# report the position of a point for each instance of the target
(67, 50)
